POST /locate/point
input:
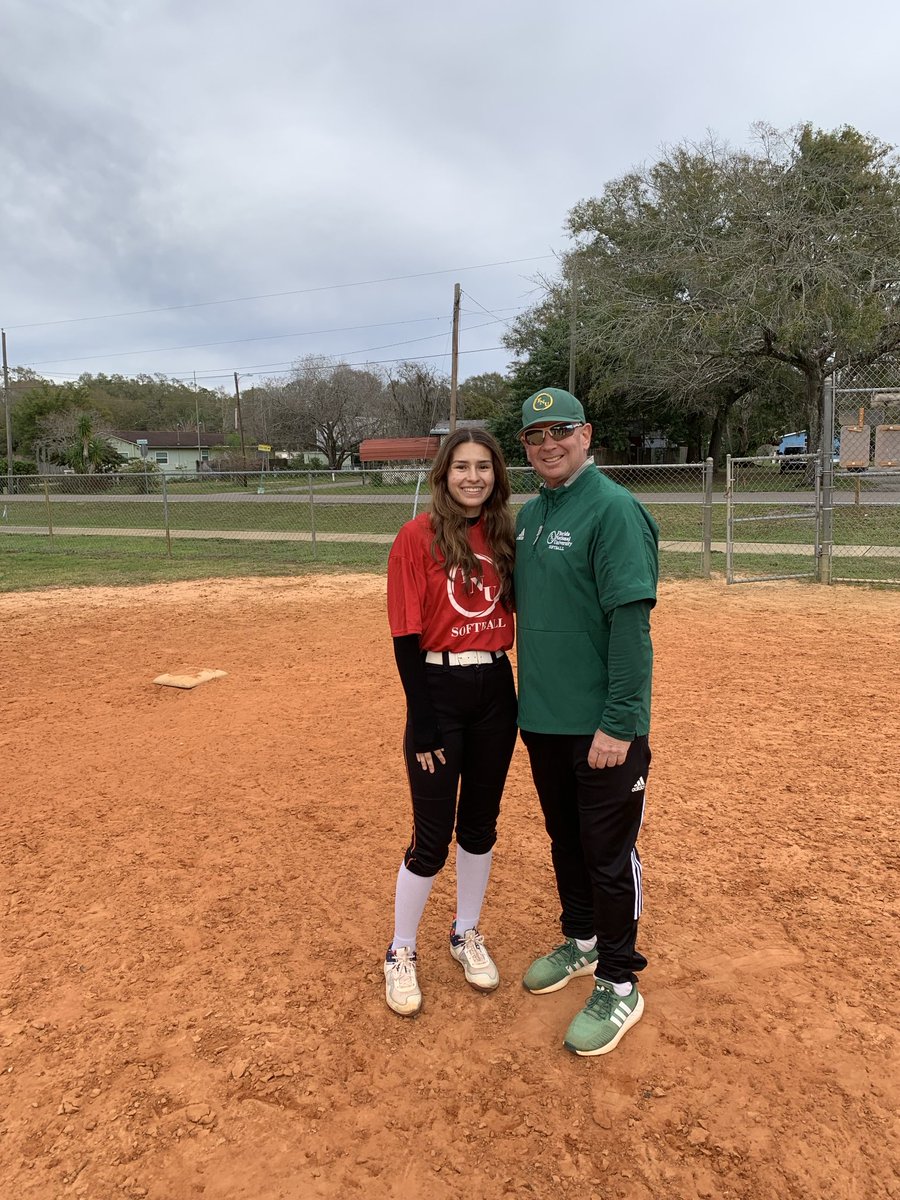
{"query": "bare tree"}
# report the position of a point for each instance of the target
(418, 396)
(77, 438)
(329, 406)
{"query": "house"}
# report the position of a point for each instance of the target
(173, 451)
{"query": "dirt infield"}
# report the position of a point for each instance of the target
(196, 889)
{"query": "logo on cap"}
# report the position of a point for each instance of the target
(542, 402)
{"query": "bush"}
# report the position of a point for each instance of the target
(140, 466)
(20, 466)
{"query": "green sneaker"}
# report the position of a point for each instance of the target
(555, 969)
(599, 1026)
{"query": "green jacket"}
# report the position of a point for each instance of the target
(586, 574)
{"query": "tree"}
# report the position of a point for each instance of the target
(710, 270)
(75, 439)
(417, 397)
(483, 397)
(331, 406)
(40, 401)
(152, 402)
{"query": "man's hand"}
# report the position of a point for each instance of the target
(607, 751)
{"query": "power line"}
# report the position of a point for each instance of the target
(267, 368)
(329, 287)
(272, 337)
(373, 362)
(508, 324)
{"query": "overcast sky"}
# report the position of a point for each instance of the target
(323, 171)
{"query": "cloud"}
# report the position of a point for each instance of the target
(158, 153)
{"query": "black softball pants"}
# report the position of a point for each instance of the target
(476, 709)
(593, 818)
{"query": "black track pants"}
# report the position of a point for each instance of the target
(476, 709)
(593, 818)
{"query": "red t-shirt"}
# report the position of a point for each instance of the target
(423, 599)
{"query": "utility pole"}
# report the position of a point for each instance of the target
(454, 361)
(573, 315)
(239, 420)
(197, 411)
(9, 452)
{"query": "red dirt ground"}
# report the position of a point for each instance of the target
(196, 891)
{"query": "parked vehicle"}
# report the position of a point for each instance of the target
(789, 447)
(794, 444)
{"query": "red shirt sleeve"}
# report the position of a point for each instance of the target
(406, 583)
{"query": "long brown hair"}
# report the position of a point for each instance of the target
(448, 519)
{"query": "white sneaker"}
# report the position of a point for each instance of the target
(400, 985)
(471, 953)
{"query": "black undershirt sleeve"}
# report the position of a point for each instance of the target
(411, 667)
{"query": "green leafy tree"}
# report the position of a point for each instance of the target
(482, 397)
(40, 401)
(704, 275)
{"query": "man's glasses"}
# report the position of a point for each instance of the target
(535, 437)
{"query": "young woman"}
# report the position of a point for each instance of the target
(451, 616)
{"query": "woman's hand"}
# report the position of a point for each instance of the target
(425, 759)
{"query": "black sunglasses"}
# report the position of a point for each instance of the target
(535, 437)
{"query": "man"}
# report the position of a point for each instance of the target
(585, 577)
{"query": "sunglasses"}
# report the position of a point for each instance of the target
(535, 437)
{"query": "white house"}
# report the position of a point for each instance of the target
(173, 451)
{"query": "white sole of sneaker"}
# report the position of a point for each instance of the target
(411, 1008)
(488, 986)
(587, 969)
(626, 1025)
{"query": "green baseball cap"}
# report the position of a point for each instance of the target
(550, 404)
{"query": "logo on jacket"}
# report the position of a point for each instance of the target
(559, 539)
(472, 598)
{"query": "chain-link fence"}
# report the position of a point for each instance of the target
(773, 518)
(866, 525)
(274, 521)
(866, 492)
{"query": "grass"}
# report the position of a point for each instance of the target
(853, 524)
(28, 562)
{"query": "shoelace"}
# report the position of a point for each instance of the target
(474, 948)
(403, 965)
(602, 1002)
(568, 952)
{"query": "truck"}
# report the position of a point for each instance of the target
(793, 444)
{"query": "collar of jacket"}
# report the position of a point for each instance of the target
(555, 495)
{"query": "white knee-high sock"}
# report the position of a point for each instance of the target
(472, 874)
(410, 899)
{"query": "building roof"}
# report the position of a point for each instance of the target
(171, 439)
(398, 449)
(442, 428)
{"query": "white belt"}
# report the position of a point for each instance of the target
(465, 658)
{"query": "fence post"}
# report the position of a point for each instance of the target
(707, 517)
(729, 522)
(312, 515)
(419, 478)
(825, 493)
(165, 494)
(49, 510)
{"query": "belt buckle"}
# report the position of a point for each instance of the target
(468, 658)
